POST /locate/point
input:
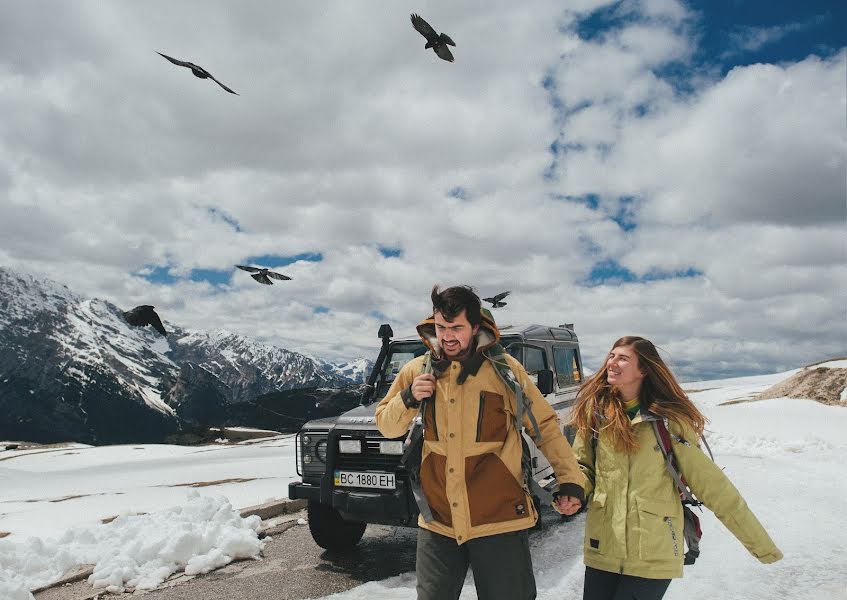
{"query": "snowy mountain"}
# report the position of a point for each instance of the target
(356, 370)
(71, 368)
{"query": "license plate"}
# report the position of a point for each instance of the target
(380, 481)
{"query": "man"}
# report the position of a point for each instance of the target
(471, 473)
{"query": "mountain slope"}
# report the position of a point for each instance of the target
(71, 368)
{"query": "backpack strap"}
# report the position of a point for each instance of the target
(497, 356)
(664, 438)
(691, 523)
(413, 455)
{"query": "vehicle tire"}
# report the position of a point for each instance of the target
(330, 530)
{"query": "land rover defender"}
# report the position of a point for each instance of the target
(352, 475)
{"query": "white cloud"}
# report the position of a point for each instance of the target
(348, 135)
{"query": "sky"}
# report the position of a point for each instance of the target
(198, 529)
(651, 167)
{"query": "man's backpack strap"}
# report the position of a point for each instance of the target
(413, 455)
(497, 356)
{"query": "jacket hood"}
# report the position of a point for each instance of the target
(486, 336)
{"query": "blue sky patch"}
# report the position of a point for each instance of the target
(592, 201)
(390, 252)
(158, 274)
(379, 316)
(273, 261)
(161, 275)
(610, 272)
(320, 310)
(625, 217)
(212, 276)
(754, 31)
(459, 192)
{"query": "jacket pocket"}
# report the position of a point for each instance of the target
(494, 495)
(492, 424)
(659, 530)
(595, 525)
(434, 486)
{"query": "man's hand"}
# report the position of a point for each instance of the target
(567, 505)
(423, 386)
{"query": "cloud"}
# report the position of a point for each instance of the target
(562, 138)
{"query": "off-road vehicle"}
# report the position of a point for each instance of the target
(353, 476)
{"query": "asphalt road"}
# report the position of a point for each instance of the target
(293, 567)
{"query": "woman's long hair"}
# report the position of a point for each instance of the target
(600, 406)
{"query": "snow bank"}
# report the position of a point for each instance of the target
(135, 551)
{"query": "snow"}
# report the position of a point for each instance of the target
(785, 456)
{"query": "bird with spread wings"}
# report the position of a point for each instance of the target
(435, 41)
(262, 275)
(197, 70)
(144, 315)
(496, 301)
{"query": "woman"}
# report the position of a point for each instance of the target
(634, 528)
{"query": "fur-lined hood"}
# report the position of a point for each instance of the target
(486, 336)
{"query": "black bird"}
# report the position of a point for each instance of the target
(197, 70)
(496, 300)
(261, 275)
(144, 315)
(437, 42)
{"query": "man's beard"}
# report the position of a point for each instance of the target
(463, 355)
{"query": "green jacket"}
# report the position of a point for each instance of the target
(634, 524)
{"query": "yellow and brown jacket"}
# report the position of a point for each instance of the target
(471, 471)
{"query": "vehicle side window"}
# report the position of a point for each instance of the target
(576, 371)
(534, 360)
(566, 361)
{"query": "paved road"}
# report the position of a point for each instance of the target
(293, 567)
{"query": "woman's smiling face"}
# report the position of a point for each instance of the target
(622, 369)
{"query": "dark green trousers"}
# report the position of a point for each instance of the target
(501, 564)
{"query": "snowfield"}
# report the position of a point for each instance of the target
(785, 456)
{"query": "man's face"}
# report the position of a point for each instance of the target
(454, 336)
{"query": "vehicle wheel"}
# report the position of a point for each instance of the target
(330, 530)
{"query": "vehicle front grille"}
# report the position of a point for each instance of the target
(370, 459)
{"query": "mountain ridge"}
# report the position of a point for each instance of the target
(71, 367)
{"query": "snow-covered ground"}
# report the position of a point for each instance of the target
(785, 456)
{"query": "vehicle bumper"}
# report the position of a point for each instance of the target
(299, 490)
(385, 508)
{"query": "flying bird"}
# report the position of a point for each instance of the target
(437, 42)
(496, 301)
(262, 275)
(144, 315)
(197, 70)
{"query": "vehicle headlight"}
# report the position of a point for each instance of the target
(320, 450)
(395, 447)
(350, 446)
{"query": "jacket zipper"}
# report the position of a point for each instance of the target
(673, 536)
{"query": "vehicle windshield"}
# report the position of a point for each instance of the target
(402, 352)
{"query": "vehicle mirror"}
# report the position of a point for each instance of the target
(545, 381)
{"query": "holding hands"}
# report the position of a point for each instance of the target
(567, 505)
